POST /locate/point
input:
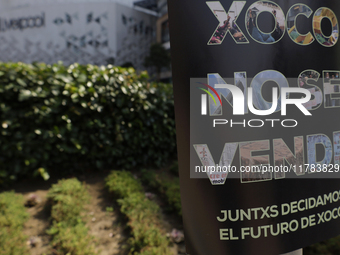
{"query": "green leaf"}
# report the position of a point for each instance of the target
(21, 82)
(44, 174)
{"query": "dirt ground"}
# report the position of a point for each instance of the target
(108, 227)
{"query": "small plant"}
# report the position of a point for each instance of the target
(13, 215)
(68, 198)
(70, 235)
(168, 187)
(109, 209)
(122, 183)
(71, 239)
(143, 215)
(172, 192)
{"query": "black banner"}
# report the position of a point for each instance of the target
(257, 100)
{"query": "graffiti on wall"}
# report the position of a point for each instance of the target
(22, 23)
(75, 36)
(91, 46)
(135, 45)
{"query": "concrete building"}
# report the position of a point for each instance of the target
(83, 31)
(160, 9)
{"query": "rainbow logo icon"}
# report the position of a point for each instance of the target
(208, 92)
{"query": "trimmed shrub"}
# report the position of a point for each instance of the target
(68, 197)
(143, 215)
(167, 187)
(123, 184)
(13, 215)
(70, 235)
(58, 118)
(73, 240)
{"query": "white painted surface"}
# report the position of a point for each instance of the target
(18, 3)
(81, 31)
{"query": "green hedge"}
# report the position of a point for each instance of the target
(62, 118)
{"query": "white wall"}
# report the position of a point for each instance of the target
(84, 32)
(138, 32)
(19, 3)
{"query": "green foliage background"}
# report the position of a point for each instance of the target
(59, 119)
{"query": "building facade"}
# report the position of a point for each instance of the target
(94, 32)
(160, 9)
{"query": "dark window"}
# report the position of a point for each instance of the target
(165, 31)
